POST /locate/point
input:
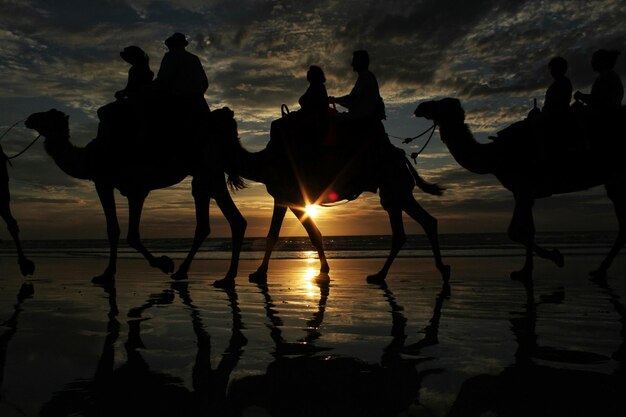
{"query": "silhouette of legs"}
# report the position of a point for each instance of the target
(522, 230)
(135, 206)
(202, 199)
(309, 225)
(27, 267)
(315, 235)
(397, 241)
(428, 223)
(238, 227)
(107, 200)
(278, 215)
(619, 203)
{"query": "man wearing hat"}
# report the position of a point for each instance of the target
(181, 74)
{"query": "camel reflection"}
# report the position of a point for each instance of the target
(430, 332)
(133, 388)
(25, 292)
(300, 382)
(305, 345)
(529, 387)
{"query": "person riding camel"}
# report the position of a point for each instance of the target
(559, 93)
(601, 108)
(607, 90)
(139, 75)
(315, 99)
(364, 101)
(129, 109)
(181, 75)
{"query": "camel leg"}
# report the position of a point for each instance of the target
(27, 267)
(619, 204)
(107, 200)
(429, 224)
(202, 201)
(522, 230)
(135, 206)
(278, 216)
(238, 227)
(316, 237)
(397, 241)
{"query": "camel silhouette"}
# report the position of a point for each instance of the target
(509, 161)
(27, 267)
(394, 176)
(149, 171)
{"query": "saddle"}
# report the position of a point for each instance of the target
(329, 159)
(152, 125)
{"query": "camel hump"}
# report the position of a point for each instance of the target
(154, 124)
(342, 158)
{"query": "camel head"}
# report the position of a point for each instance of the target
(447, 110)
(52, 124)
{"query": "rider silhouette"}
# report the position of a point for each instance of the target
(181, 75)
(315, 99)
(607, 90)
(559, 94)
(364, 101)
(139, 74)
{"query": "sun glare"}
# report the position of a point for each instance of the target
(312, 211)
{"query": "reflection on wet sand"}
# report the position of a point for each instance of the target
(133, 389)
(26, 291)
(309, 347)
(300, 383)
(530, 387)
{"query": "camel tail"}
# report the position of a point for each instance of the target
(424, 185)
(235, 182)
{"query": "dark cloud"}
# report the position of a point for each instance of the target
(493, 55)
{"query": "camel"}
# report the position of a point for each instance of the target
(511, 167)
(394, 176)
(137, 177)
(27, 267)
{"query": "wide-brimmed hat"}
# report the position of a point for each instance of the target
(177, 39)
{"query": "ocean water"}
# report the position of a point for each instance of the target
(337, 247)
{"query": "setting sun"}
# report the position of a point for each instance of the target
(312, 211)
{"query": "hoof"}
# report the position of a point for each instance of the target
(557, 257)
(378, 278)
(164, 263)
(179, 276)
(103, 279)
(445, 273)
(27, 290)
(27, 267)
(322, 279)
(260, 276)
(522, 275)
(598, 274)
(224, 283)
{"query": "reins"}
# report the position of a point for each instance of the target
(8, 158)
(414, 155)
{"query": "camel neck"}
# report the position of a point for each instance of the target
(71, 159)
(471, 155)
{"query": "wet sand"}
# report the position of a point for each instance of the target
(484, 345)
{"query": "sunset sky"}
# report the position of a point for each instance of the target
(492, 55)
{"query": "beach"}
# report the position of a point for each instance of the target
(481, 345)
